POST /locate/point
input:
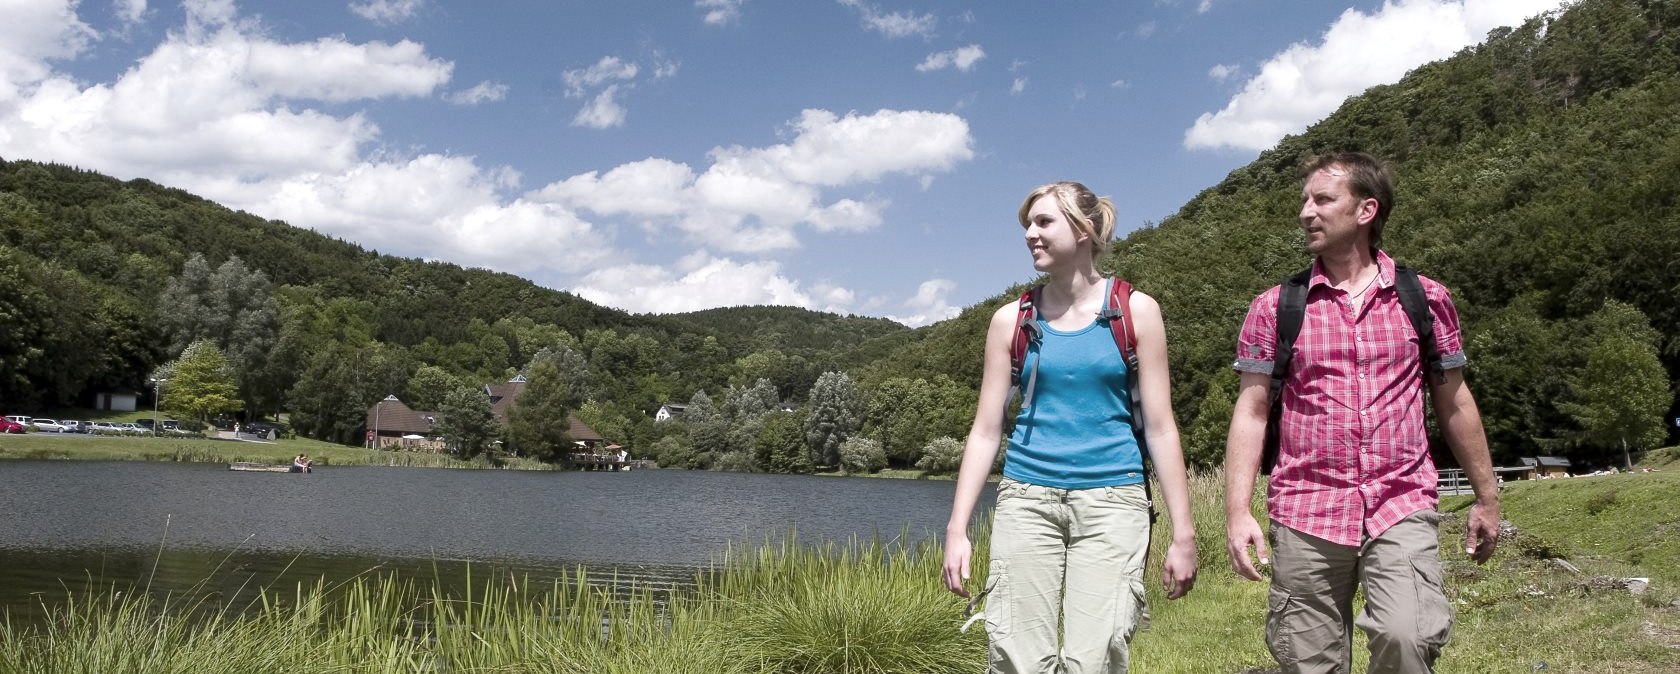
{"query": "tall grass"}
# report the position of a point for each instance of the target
(868, 607)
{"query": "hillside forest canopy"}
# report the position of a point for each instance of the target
(1538, 178)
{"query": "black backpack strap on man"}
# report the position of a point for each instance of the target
(1292, 312)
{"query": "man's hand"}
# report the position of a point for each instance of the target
(1482, 531)
(1178, 575)
(1242, 533)
(957, 552)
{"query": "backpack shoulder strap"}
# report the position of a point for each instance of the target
(1416, 304)
(1291, 312)
(1119, 306)
(1026, 334)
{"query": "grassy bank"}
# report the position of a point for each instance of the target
(878, 607)
(206, 450)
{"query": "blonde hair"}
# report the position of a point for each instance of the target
(1089, 214)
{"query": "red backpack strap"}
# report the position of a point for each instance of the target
(1120, 306)
(1026, 334)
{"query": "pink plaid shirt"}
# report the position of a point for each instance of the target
(1353, 455)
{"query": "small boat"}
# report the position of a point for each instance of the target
(249, 466)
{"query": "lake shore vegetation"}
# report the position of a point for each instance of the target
(877, 606)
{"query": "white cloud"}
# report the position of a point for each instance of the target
(34, 33)
(700, 281)
(930, 305)
(1120, 84)
(719, 12)
(1204, 6)
(602, 112)
(1304, 83)
(130, 11)
(223, 111)
(962, 58)
(1018, 86)
(387, 11)
(1145, 29)
(894, 24)
(483, 92)
(1222, 72)
(752, 199)
(579, 81)
(663, 68)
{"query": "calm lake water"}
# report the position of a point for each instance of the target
(70, 526)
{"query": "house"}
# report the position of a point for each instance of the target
(669, 411)
(117, 400)
(1547, 466)
(393, 425)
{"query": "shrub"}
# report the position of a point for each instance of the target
(941, 455)
(862, 455)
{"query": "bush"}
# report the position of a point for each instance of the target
(862, 455)
(941, 455)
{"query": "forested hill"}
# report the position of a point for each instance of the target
(1538, 178)
(85, 260)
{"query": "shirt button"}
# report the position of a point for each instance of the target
(1362, 375)
(1363, 412)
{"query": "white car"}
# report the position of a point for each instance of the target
(103, 427)
(128, 427)
(48, 426)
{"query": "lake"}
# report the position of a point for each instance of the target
(72, 526)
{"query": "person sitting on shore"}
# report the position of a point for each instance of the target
(301, 464)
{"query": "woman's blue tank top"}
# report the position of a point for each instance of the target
(1078, 432)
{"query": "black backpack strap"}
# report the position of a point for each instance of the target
(1416, 304)
(1291, 312)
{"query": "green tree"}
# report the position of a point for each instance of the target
(780, 445)
(538, 423)
(836, 414)
(232, 306)
(897, 414)
(1621, 396)
(609, 423)
(708, 429)
(429, 386)
(1204, 444)
(200, 383)
(466, 423)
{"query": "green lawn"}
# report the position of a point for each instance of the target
(166, 448)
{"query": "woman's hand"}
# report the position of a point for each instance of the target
(1178, 574)
(957, 553)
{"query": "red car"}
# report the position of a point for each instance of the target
(9, 426)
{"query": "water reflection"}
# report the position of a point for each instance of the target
(177, 528)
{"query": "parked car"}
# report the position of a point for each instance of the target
(145, 424)
(73, 426)
(18, 419)
(129, 427)
(265, 429)
(103, 427)
(49, 426)
(171, 425)
(9, 426)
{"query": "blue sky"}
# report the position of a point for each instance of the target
(859, 156)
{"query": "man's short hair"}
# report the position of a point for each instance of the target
(1367, 178)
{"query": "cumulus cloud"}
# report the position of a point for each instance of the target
(1204, 6)
(130, 11)
(1145, 29)
(719, 12)
(699, 281)
(1018, 86)
(222, 110)
(931, 304)
(602, 111)
(580, 80)
(1222, 72)
(893, 24)
(483, 92)
(750, 200)
(387, 11)
(1304, 83)
(962, 58)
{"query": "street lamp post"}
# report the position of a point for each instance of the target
(157, 387)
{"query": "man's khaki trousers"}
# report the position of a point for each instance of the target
(1065, 562)
(1310, 609)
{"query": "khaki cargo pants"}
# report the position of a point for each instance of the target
(1310, 608)
(1065, 562)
